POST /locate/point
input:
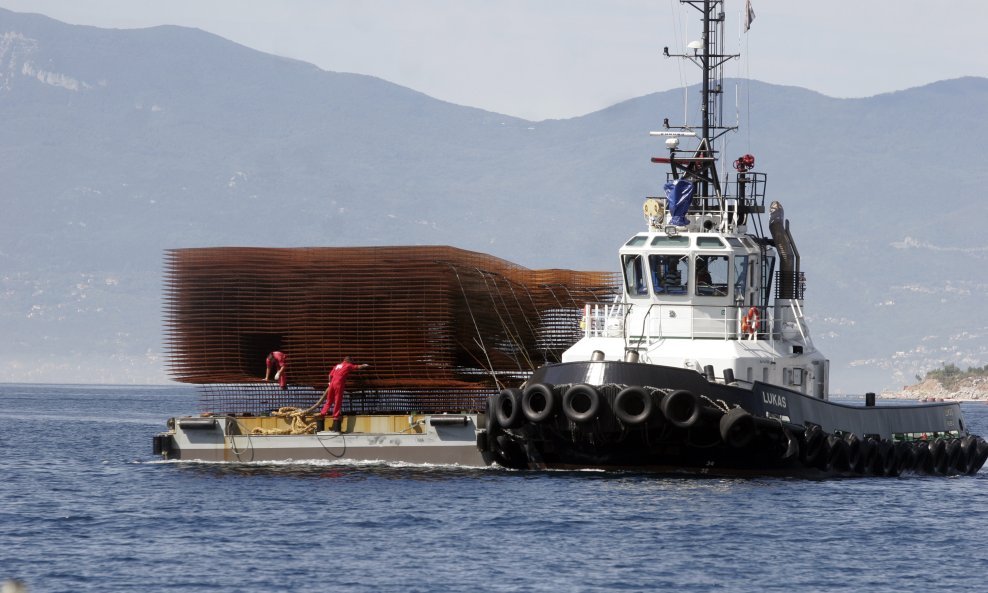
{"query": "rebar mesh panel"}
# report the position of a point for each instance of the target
(434, 323)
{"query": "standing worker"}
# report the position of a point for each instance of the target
(279, 360)
(334, 393)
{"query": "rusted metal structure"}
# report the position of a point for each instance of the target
(442, 328)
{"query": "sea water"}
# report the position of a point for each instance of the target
(85, 506)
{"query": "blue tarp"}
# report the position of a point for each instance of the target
(679, 193)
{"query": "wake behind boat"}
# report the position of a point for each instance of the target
(699, 361)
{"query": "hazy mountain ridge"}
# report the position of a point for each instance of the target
(119, 144)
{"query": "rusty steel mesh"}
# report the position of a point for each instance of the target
(442, 328)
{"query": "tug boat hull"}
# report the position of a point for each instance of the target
(614, 415)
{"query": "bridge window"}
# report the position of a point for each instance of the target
(709, 242)
(712, 276)
(634, 275)
(740, 276)
(670, 273)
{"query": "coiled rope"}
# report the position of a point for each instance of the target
(296, 423)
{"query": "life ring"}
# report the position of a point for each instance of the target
(538, 402)
(581, 403)
(681, 408)
(633, 405)
(737, 427)
(749, 323)
(507, 408)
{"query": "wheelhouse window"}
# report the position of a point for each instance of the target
(670, 273)
(634, 275)
(740, 276)
(712, 275)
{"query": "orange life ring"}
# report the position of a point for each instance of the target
(749, 323)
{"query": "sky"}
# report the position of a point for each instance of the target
(554, 59)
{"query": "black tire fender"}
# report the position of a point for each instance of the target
(581, 403)
(737, 427)
(681, 408)
(633, 405)
(538, 402)
(507, 408)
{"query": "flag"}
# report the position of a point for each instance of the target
(749, 15)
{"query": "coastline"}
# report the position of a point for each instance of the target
(968, 390)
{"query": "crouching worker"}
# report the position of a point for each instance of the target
(279, 362)
(334, 393)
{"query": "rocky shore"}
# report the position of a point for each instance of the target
(967, 389)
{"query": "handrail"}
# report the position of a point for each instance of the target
(663, 320)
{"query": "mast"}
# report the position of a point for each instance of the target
(726, 201)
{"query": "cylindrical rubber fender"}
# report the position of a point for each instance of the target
(884, 463)
(509, 454)
(633, 405)
(969, 454)
(507, 408)
(538, 402)
(681, 408)
(814, 445)
(792, 444)
(838, 458)
(953, 454)
(869, 451)
(737, 427)
(581, 403)
(922, 461)
(938, 452)
(853, 450)
(980, 457)
(905, 457)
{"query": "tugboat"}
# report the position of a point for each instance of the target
(705, 364)
(699, 361)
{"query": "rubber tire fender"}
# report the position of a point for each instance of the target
(681, 408)
(838, 454)
(953, 454)
(631, 396)
(921, 452)
(869, 451)
(905, 457)
(507, 408)
(884, 464)
(969, 454)
(537, 393)
(574, 397)
(815, 445)
(938, 453)
(853, 450)
(981, 457)
(737, 427)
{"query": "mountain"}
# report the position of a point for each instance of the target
(119, 144)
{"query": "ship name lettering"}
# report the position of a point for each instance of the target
(774, 399)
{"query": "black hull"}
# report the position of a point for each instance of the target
(643, 417)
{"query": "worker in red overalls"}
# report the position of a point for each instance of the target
(280, 361)
(334, 393)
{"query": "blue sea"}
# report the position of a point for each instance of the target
(85, 506)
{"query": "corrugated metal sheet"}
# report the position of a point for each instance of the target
(441, 327)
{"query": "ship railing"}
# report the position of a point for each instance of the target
(741, 200)
(664, 321)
